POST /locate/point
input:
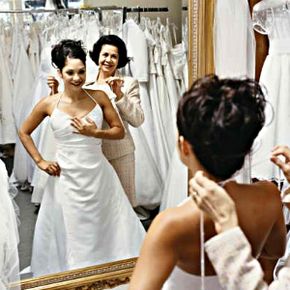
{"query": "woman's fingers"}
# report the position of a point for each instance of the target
(281, 150)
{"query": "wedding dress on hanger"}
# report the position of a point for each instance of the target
(148, 190)
(9, 261)
(275, 77)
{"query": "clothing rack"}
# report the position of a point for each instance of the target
(96, 9)
(142, 9)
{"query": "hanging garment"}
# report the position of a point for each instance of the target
(159, 133)
(275, 77)
(176, 183)
(148, 190)
(234, 48)
(7, 123)
(85, 217)
(22, 103)
(9, 261)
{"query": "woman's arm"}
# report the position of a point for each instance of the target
(158, 255)
(129, 105)
(39, 112)
(89, 128)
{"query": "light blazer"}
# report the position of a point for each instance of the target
(230, 254)
(130, 112)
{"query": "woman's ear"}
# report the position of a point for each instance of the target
(184, 146)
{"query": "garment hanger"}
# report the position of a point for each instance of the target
(266, 4)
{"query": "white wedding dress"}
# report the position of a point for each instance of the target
(9, 239)
(85, 217)
(275, 76)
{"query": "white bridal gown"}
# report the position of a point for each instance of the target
(9, 262)
(275, 76)
(85, 217)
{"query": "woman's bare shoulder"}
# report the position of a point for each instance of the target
(98, 95)
(176, 223)
(261, 192)
(47, 103)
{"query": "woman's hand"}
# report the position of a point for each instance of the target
(53, 84)
(116, 84)
(51, 168)
(88, 128)
(213, 200)
(283, 151)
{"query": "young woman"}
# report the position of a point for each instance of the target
(109, 54)
(217, 120)
(85, 217)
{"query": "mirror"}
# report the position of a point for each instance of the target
(147, 207)
(201, 61)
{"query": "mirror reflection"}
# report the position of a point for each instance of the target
(123, 180)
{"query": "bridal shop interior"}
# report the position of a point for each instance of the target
(79, 233)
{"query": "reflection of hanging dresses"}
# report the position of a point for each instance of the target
(85, 217)
(22, 102)
(9, 262)
(148, 190)
(275, 76)
(7, 124)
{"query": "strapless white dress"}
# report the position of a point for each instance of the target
(182, 280)
(85, 217)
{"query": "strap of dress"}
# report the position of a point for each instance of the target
(58, 100)
(90, 97)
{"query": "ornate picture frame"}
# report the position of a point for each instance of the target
(99, 277)
(200, 33)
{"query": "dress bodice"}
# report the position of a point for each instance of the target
(64, 132)
(274, 22)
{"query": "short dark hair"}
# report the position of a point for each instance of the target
(67, 48)
(220, 118)
(114, 40)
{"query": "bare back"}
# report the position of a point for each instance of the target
(260, 216)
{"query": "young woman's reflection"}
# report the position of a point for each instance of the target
(85, 217)
(109, 53)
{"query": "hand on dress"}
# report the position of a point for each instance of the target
(214, 201)
(50, 167)
(53, 84)
(284, 165)
(116, 84)
(87, 128)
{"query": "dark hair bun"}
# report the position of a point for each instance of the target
(113, 40)
(221, 118)
(67, 48)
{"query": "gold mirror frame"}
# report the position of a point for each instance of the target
(110, 275)
(200, 33)
(104, 276)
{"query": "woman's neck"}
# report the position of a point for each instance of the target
(73, 95)
(102, 76)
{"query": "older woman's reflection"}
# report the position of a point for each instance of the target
(109, 53)
(217, 120)
(85, 217)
